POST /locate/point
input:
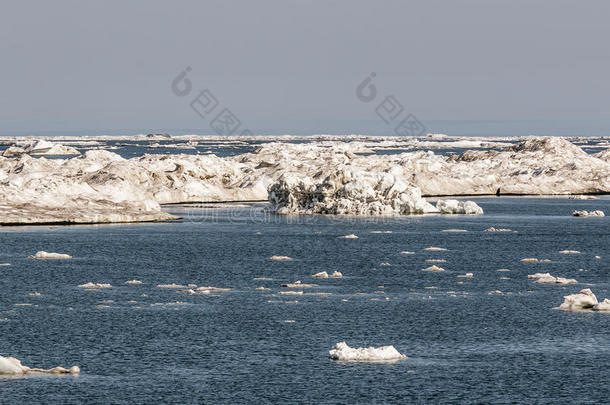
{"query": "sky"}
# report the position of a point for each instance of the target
(291, 66)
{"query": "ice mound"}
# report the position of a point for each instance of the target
(350, 236)
(341, 351)
(546, 278)
(40, 148)
(13, 366)
(50, 255)
(584, 300)
(596, 213)
(340, 191)
(458, 207)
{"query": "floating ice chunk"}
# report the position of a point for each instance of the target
(582, 197)
(5, 264)
(436, 260)
(435, 249)
(94, 285)
(381, 231)
(454, 230)
(534, 260)
(298, 284)
(13, 366)
(596, 213)
(350, 236)
(458, 207)
(603, 306)
(407, 252)
(34, 294)
(434, 268)
(133, 282)
(585, 299)
(598, 257)
(341, 351)
(291, 292)
(569, 252)
(492, 229)
(280, 258)
(50, 255)
(384, 264)
(323, 274)
(174, 285)
(467, 275)
(547, 278)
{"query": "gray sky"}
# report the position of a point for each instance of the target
(293, 66)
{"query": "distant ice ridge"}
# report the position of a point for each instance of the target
(341, 351)
(13, 366)
(325, 176)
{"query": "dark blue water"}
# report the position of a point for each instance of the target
(235, 347)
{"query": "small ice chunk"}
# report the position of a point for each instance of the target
(455, 230)
(291, 292)
(321, 274)
(596, 213)
(569, 252)
(467, 275)
(407, 252)
(133, 282)
(94, 285)
(384, 264)
(436, 260)
(50, 255)
(603, 306)
(492, 229)
(435, 249)
(280, 258)
(434, 268)
(350, 236)
(529, 260)
(341, 351)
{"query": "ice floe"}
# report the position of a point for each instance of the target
(281, 258)
(350, 236)
(342, 352)
(596, 213)
(50, 255)
(569, 252)
(13, 366)
(547, 278)
(133, 282)
(434, 268)
(492, 229)
(435, 249)
(324, 274)
(91, 285)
